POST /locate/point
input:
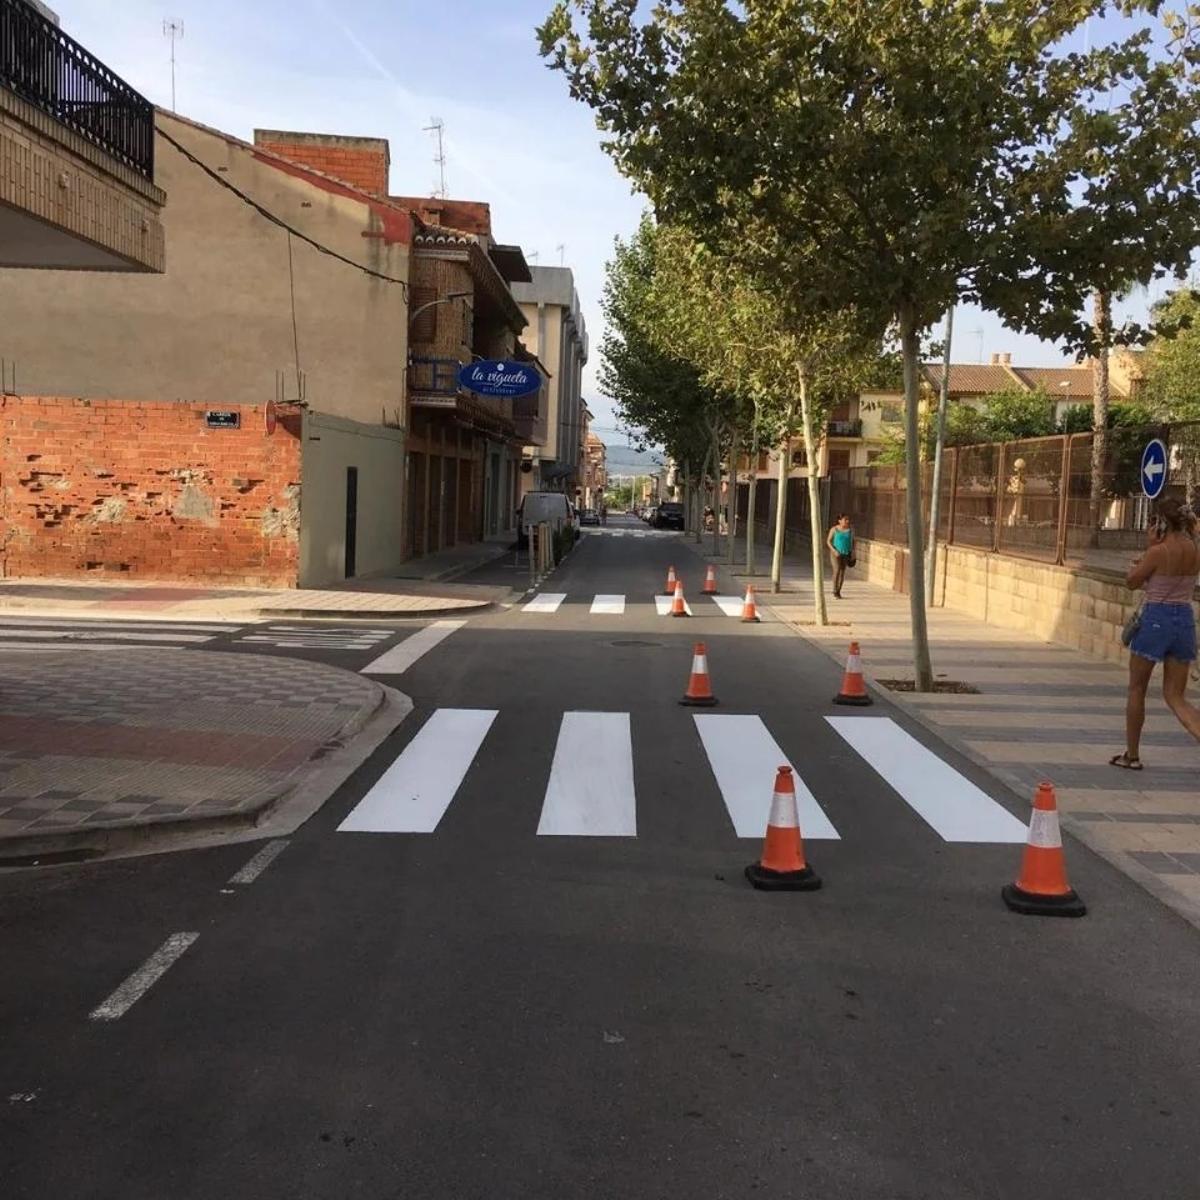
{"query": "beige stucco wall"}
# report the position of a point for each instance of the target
(331, 444)
(1053, 603)
(543, 336)
(216, 327)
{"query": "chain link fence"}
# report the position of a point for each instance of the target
(1068, 499)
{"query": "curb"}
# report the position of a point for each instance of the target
(283, 811)
(471, 608)
(1184, 907)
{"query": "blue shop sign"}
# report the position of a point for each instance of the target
(491, 377)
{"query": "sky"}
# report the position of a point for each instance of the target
(384, 68)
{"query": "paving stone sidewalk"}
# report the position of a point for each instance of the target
(131, 737)
(1044, 711)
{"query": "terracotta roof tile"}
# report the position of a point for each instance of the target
(972, 378)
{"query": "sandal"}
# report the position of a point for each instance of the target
(1126, 763)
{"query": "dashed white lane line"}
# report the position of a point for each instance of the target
(610, 605)
(546, 602)
(399, 658)
(412, 795)
(949, 802)
(591, 791)
(260, 862)
(144, 978)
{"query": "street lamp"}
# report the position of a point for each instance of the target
(429, 304)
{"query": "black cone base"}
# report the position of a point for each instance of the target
(750, 620)
(682, 614)
(783, 881)
(1021, 901)
(856, 701)
(699, 701)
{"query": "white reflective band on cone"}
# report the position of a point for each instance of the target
(699, 664)
(854, 665)
(1043, 829)
(783, 811)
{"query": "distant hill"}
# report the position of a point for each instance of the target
(625, 459)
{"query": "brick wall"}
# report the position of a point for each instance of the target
(134, 490)
(361, 162)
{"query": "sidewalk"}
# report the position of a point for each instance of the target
(1043, 711)
(99, 752)
(368, 598)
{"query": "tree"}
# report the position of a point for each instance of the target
(902, 139)
(1172, 362)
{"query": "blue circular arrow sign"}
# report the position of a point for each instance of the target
(492, 377)
(1154, 468)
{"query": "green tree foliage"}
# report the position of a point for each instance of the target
(1172, 362)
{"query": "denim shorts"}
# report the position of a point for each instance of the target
(1167, 631)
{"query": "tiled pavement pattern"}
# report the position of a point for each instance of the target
(1044, 712)
(133, 736)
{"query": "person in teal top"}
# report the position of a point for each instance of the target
(841, 547)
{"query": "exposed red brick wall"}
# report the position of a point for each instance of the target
(361, 162)
(467, 216)
(133, 490)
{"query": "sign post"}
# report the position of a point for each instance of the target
(1154, 468)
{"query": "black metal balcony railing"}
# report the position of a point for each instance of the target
(53, 72)
(850, 429)
(433, 376)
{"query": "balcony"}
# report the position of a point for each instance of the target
(433, 386)
(844, 429)
(80, 193)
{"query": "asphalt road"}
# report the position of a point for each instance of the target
(481, 1011)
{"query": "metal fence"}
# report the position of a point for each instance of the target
(53, 72)
(1039, 498)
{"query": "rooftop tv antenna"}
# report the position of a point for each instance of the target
(978, 333)
(562, 252)
(174, 31)
(437, 127)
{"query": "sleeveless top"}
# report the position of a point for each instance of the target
(1170, 589)
(843, 539)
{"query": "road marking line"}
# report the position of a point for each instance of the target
(397, 659)
(260, 862)
(663, 605)
(412, 795)
(613, 605)
(731, 606)
(547, 602)
(316, 643)
(745, 759)
(110, 635)
(332, 631)
(947, 801)
(140, 982)
(39, 622)
(591, 792)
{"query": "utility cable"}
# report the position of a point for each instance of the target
(270, 216)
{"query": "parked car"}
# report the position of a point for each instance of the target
(648, 513)
(590, 517)
(669, 515)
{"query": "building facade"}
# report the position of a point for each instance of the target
(557, 335)
(595, 473)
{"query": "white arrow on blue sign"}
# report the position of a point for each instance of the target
(1154, 468)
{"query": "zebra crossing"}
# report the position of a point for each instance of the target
(317, 637)
(590, 784)
(604, 604)
(50, 633)
(637, 534)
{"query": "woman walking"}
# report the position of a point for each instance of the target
(841, 548)
(1168, 572)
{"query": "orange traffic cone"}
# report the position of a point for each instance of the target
(669, 590)
(699, 689)
(1042, 888)
(679, 608)
(749, 610)
(710, 581)
(782, 867)
(854, 687)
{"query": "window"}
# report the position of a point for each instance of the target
(423, 314)
(799, 458)
(838, 459)
(872, 455)
(891, 414)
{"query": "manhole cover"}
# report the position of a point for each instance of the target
(635, 642)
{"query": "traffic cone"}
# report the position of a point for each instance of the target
(669, 590)
(782, 867)
(1042, 888)
(854, 687)
(679, 608)
(710, 581)
(699, 689)
(749, 611)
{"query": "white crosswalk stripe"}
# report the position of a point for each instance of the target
(590, 780)
(49, 633)
(604, 604)
(316, 637)
(731, 606)
(745, 759)
(951, 804)
(664, 604)
(610, 605)
(399, 658)
(545, 602)
(590, 792)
